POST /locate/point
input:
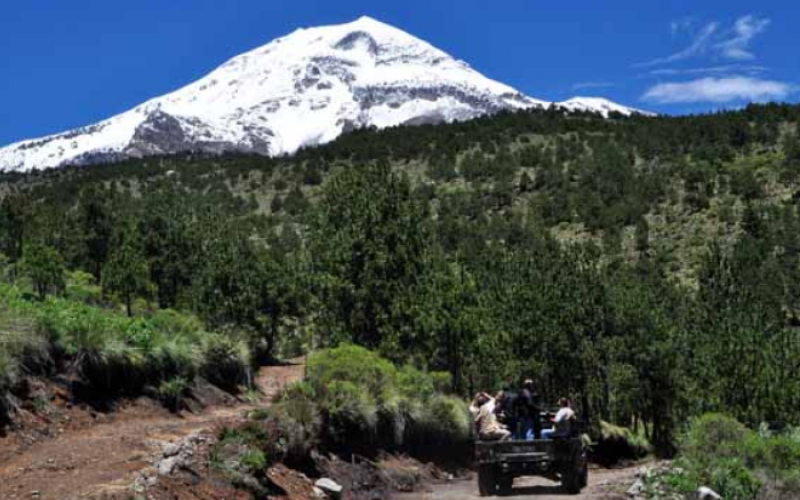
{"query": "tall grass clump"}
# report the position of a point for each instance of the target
(225, 361)
(7, 374)
(365, 404)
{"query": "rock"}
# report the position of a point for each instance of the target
(705, 493)
(168, 465)
(636, 489)
(330, 488)
(171, 449)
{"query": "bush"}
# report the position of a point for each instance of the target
(224, 362)
(298, 419)
(360, 367)
(739, 464)
(445, 421)
(351, 413)
(354, 401)
(732, 480)
(715, 436)
(172, 393)
(7, 374)
(81, 287)
(243, 453)
(619, 443)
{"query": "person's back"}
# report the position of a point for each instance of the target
(507, 409)
(563, 421)
(486, 424)
(529, 412)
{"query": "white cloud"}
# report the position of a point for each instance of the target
(737, 46)
(679, 25)
(727, 69)
(719, 90)
(592, 85)
(700, 45)
(711, 41)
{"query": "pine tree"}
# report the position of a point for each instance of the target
(126, 273)
(45, 267)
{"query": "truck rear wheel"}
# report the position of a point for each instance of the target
(572, 477)
(487, 484)
(584, 474)
(504, 485)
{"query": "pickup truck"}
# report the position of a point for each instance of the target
(559, 459)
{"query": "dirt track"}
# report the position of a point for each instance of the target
(603, 485)
(105, 457)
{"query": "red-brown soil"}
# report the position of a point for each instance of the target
(70, 453)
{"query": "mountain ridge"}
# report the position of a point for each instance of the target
(303, 89)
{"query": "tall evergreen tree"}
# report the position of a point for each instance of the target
(126, 273)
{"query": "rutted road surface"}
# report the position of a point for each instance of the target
(105, 457)
(604, 484)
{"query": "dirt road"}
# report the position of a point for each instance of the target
(105, 457)
(604, 484)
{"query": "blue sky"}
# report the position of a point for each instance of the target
(66, 64)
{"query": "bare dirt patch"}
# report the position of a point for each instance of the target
(78, 453)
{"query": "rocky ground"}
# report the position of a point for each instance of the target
(140, 451)
(71, 453)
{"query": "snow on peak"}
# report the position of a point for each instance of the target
(598, 105)
(303, 89)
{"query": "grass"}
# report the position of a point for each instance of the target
(738, 463)
(110, 354)
(354, 401)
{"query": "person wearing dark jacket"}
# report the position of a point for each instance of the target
(529, 412)
(507, 409)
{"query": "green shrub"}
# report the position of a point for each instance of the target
(172, 392)
(298, 419)
(351, 412)
(732, 480)
(360, 367)
(619, 443)
(224, 361)
(445, 420)
(81, 287)
(713, 437)
(414, 383)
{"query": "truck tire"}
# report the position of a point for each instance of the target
(504, 485)
(584, 473)
(487, 484)
(571, 478)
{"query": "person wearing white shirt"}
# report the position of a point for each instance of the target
(562, 421)
(486, 424)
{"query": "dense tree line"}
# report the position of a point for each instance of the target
(455, 267)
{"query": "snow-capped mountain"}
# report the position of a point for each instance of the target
(598, 105)
(300, 90)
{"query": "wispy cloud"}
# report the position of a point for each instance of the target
(712, 40)
(593, 85)
(737, 46)
(719, 90)
(700, 44)
(711, 70)
(680, 25)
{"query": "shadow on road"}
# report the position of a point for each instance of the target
(524, 491)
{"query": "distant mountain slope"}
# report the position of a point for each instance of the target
(300, 90)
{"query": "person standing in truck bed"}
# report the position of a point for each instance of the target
(529, 411)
